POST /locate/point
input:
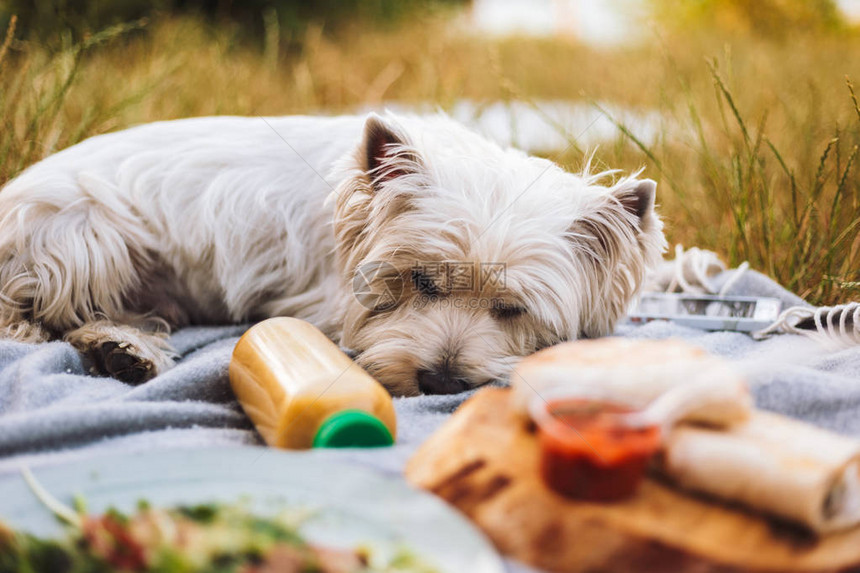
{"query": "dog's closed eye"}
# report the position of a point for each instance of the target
(424, 284)
(502, 311)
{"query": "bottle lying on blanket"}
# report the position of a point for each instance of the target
(301, 391)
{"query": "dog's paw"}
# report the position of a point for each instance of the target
(123, 361)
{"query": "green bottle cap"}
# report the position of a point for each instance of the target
(352, 429)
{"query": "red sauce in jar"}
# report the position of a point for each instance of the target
(587, 453)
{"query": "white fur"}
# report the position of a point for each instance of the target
(225, 219)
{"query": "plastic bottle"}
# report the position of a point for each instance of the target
(301, 391)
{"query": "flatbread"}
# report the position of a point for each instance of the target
(774, 464)
(638, 372)
(485, 461)
(716, 442)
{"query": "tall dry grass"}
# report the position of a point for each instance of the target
(756, 158)
(764, 168)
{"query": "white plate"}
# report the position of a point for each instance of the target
(349, 506)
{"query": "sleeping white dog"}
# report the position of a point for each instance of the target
(493, 254)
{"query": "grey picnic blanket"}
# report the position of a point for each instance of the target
(52, 411)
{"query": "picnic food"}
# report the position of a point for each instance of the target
(773, 464)
(639, 371)
(300, 390)
(589, 453)
(484, 461)
(602, 456)
(203, 538)
(770, 463)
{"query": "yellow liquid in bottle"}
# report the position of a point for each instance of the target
(290, 379)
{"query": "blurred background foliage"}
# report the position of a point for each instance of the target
(47, 19)
(753, 136)
(782, 19)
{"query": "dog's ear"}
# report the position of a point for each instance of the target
(387, 152)
(637, 198)
(604, 227)
(382, 175)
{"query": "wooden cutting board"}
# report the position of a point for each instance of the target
(484, 461)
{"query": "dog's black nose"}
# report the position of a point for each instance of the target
(442, 381)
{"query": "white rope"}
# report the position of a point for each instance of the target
(700, 264)
(831, 322)
(739, 272)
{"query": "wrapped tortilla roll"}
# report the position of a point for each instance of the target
(768, 462)
(774, 464)
(639, 371)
